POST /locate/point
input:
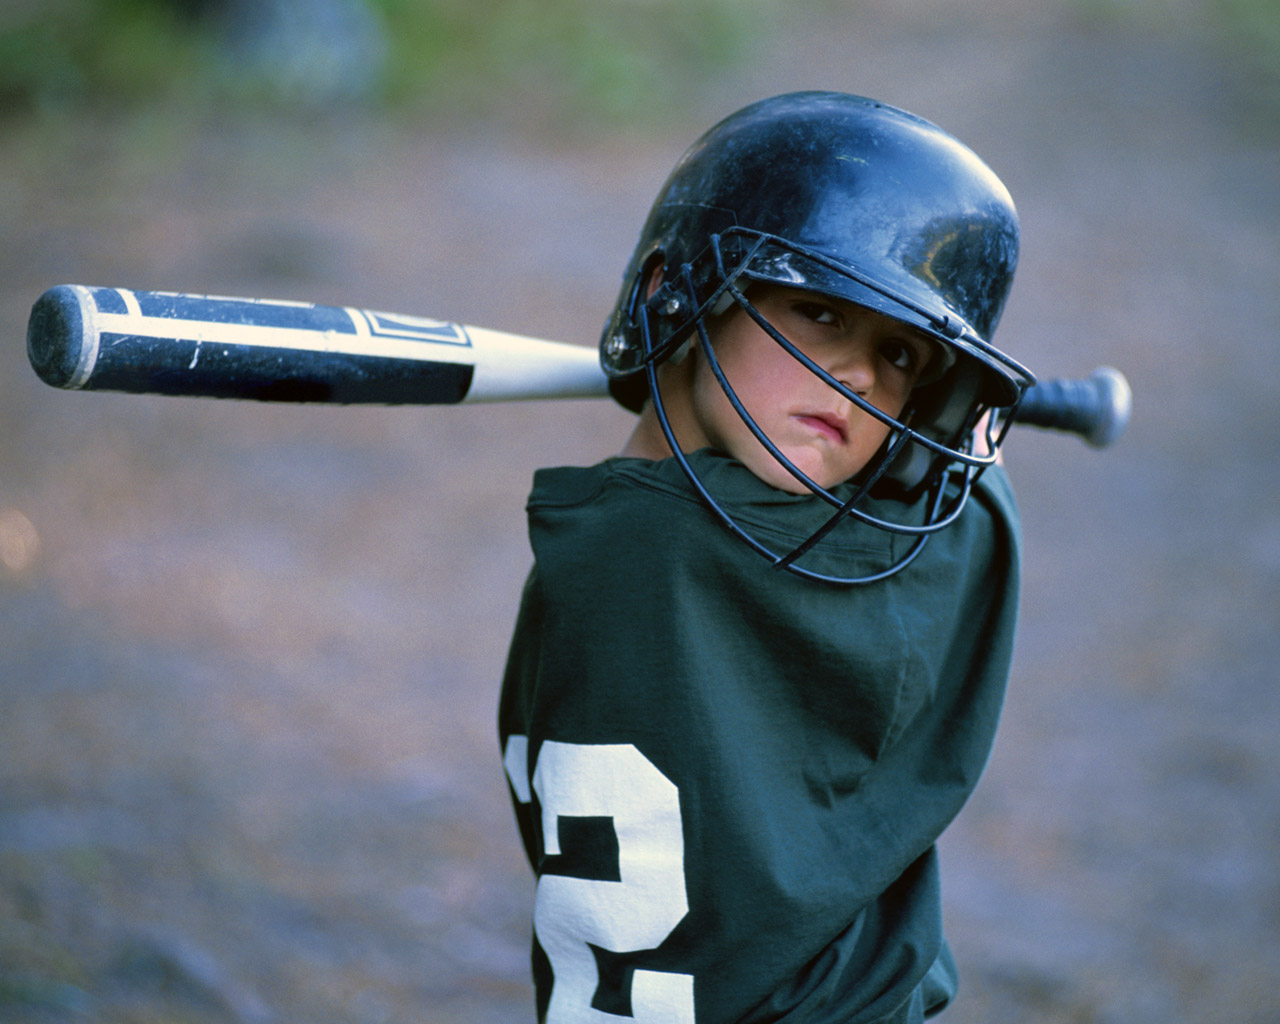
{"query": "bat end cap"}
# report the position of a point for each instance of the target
(1116, 403)
(61, 337)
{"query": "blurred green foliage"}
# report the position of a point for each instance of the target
(614, 55)
(1253, 26)
(62, 52)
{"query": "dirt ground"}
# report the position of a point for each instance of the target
(249, 654)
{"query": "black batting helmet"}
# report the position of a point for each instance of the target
(856, 200)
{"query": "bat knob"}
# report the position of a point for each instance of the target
(1115, 403)
(1096, 407)
(61, 342)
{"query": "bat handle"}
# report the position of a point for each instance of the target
(1096, 407)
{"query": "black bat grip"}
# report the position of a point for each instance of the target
(1095, 407)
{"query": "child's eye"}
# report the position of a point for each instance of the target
(899, 354)
(817, 312)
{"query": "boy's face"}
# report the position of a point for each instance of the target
(826, 436)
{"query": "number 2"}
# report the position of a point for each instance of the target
(637, 912)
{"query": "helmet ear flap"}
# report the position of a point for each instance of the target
(622, 349)
(945, 411)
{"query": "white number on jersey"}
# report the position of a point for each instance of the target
(637, 912)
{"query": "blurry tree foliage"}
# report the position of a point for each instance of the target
(613, 55)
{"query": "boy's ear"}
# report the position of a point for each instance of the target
(655, 281)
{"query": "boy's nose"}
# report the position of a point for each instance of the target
(855, 368)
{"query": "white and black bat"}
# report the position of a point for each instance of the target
(167, 343)
(114, 339)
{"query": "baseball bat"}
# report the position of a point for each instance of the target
(168, 343)
(114, 339)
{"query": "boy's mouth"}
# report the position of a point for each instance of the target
(827, 424)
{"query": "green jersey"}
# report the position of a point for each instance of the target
(729, 780)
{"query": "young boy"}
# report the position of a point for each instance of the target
(745, 696)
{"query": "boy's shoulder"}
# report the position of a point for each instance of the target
(646, 509)
(662, 478)
(994, 493)
(569, 486)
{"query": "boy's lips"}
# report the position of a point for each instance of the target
(826, 423)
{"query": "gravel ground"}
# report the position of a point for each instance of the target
(248, 654)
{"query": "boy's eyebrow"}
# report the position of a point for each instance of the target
(911, 331)
(937, 350)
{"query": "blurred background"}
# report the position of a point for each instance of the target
(249, 655)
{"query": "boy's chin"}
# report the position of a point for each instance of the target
(776, 475)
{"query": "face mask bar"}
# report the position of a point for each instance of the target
(787, 561)
(775, 252)
(963, 471)
(900, 431)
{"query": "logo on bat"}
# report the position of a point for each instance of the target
(415, 328)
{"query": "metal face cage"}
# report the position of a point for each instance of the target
(929, 452)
